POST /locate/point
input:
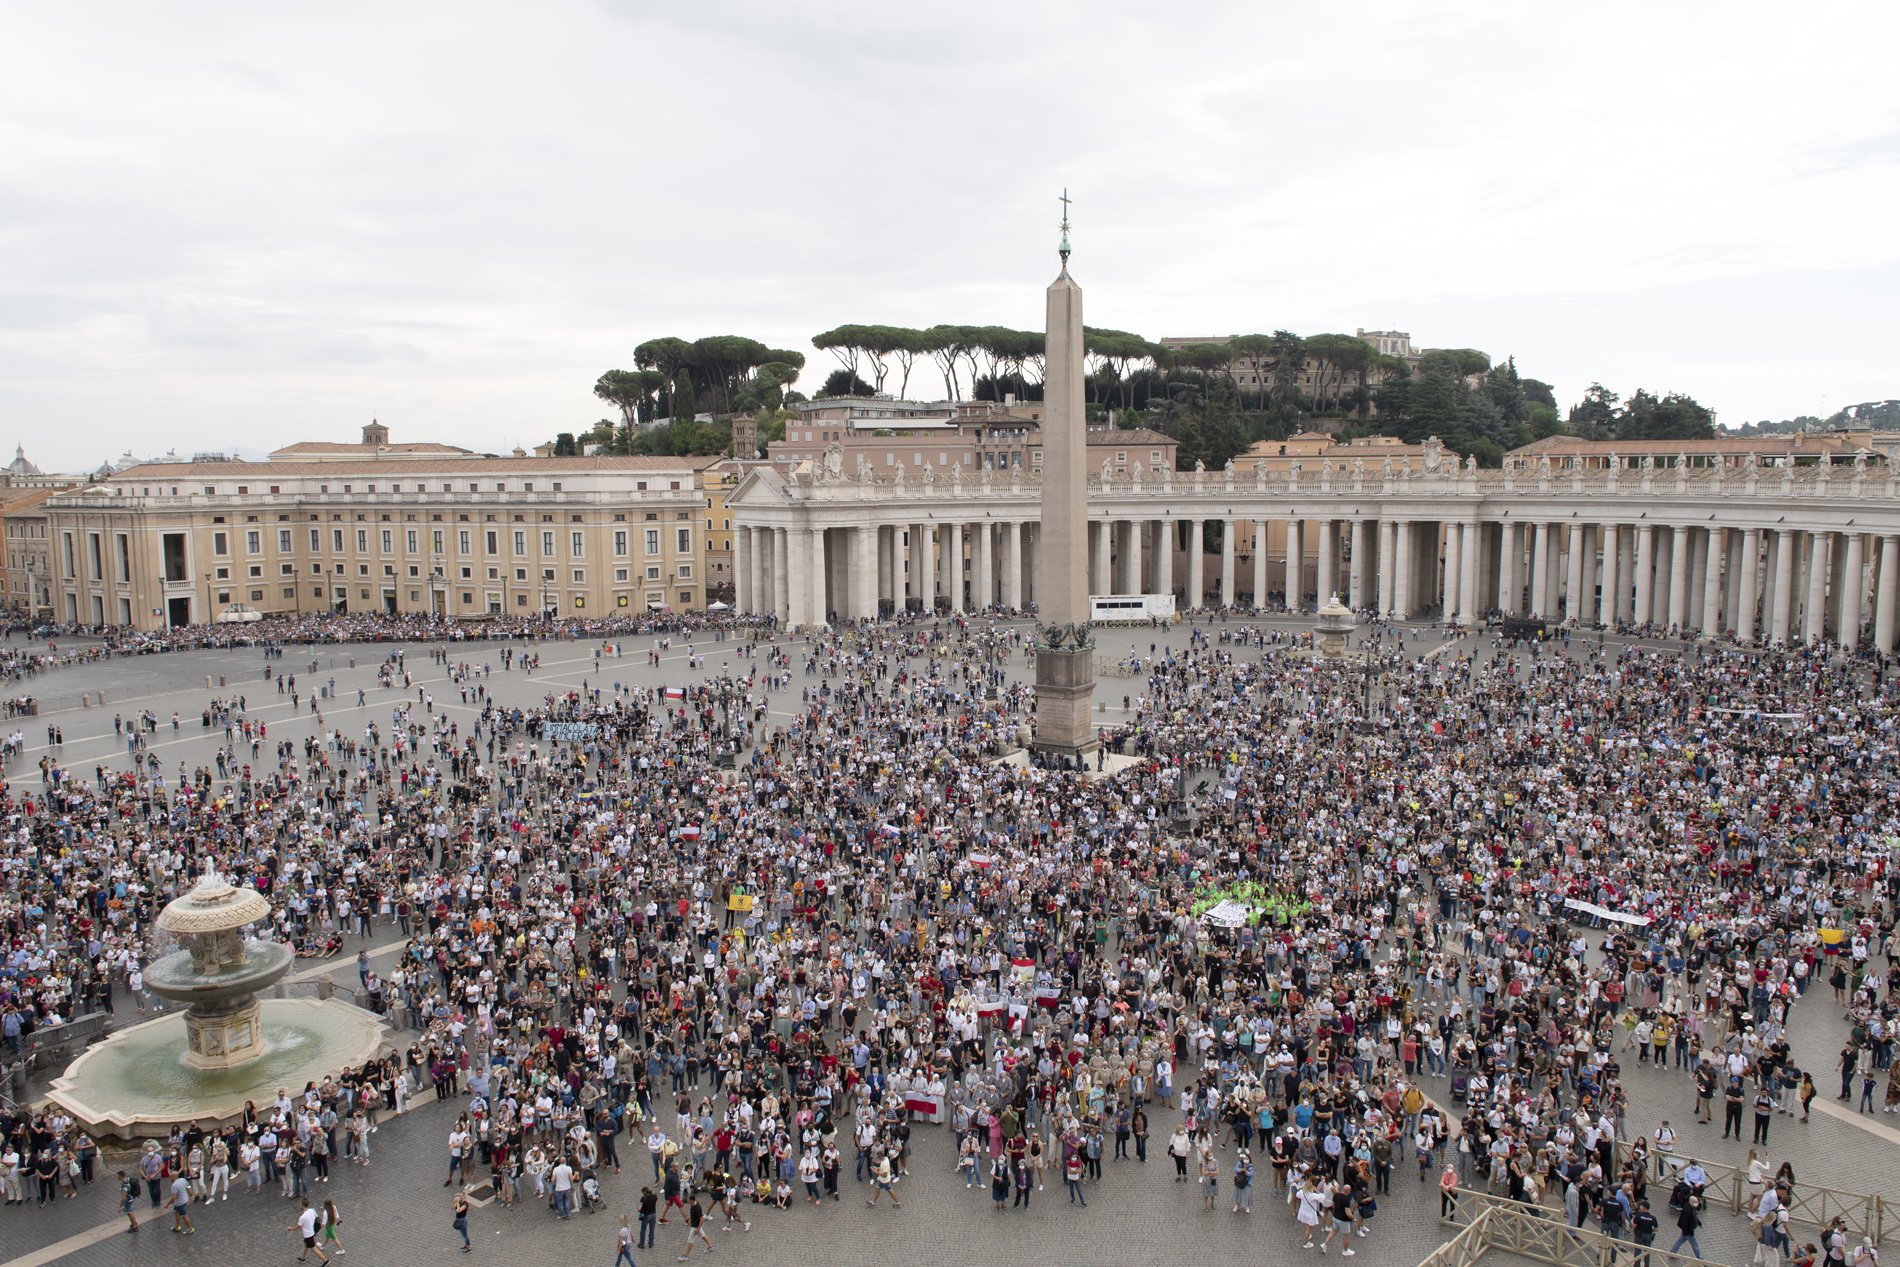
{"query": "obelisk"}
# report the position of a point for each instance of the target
(1065, 642)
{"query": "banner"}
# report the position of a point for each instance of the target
(741, 902)
(570, 731)
(1227, 913)
(1604, 912)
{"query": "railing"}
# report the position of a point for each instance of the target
(1863, 1214)
(1543, 1234)
(59, 1043)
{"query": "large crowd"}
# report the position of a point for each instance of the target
(1330, 923)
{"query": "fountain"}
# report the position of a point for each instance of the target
(227, 1046)
(219, 972)
(1331, 624)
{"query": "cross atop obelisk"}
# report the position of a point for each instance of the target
(1065, 642)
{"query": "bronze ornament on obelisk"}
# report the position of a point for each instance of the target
(1065, 640)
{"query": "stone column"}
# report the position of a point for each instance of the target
(1402, 547)
(1100, 581)
(1679, 580)
(953, 565)
(1328, 560)
(820, 606)
(1574, 600)
(1164, 556)
(1853, 590)
(742, 570)
(1587, 542)
(1540, 570)
(1510, 559)
(921, 577)
(1259, 563)
(1778, 623)
(1886, 591)
(1013, 565)
(1227, 563)
(1814, 627)
(1748, 596)
(1471, 569)
(1295, 564)
(1196, 564)
(983, 566)
(1127, 556)
(782, 574)
(1714, 550)
(1454, 573)
(1614, 579)
(1645, 564)
(861, 579)
(1384, 562)
(1359, 567)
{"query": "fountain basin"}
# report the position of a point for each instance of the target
(177, 977)
(141, 1080)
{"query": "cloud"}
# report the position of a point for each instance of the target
(256, 220)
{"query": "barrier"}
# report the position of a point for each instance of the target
(1863, 1214)
(58, 1044)
(1540, 1233)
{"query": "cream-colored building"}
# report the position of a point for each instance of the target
(26, 582)
(466, 537)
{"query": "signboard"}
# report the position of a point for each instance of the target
(571, 731)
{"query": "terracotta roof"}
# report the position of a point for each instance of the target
(1125, 436)
(1758, 444)
(367, 451)
(30, 499)
(409, 470)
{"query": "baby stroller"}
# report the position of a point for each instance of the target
(591, 1200)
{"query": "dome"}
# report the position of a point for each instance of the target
(19, 465)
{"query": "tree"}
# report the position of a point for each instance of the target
(631, 392)
(845, 383)
(1337, 359)
(668, 358)
(564, 446)
(1287, 358)
(1594, 417)
(846, 344)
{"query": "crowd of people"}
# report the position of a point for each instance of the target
(1328, 924)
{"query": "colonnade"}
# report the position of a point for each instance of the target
(1814, 558)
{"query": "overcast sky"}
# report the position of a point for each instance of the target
(230, 225)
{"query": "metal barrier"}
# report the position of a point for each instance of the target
(1543, 1234)
(1862, 1214)
(60, 1043)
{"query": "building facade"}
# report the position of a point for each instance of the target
(1778, 556)
(464, 537)
(974, 435)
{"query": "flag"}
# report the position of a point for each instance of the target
(675, 692)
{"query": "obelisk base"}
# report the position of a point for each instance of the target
(1065, 690)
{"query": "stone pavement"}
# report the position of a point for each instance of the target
(396, 1210)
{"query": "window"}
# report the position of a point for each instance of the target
(435, 540)
(577, 544)
(653, 574)
(686, 596)
(336, 540)
(253, 542)
(123, 547)
(362, 541)
(686, 571)
(521, 574)
(653, 540)
(521, 542)
(409, 538)
(685, 542)
(580, 576)
(285, 569)
(620, 574)
(218, 544)
(254, 571)
(547, 544)
(283, 541)
(489, 540)
(388, 546)
(620, 543)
